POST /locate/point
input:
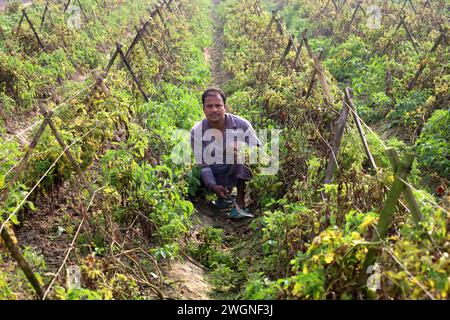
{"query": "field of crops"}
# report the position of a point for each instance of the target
(96, 102)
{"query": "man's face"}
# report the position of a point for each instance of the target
(214, 108)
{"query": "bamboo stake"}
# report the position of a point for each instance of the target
(133, 43)
(409, 35)
(147, 53)
(407, 192)
(297, 55)
(82, 11)
(110, 63)
(336, 143)
(7, 234)
(311, 84)
(43, 16)
(127, 64)
(423, 63)
(386, 215)
(320, 71)
(361, 133)
(412, 6)
(158, 11)
(167, 5)
(34, 30)
(69, 155)
(269, 26)
(10, 241)
(287, 50)
(23, 163)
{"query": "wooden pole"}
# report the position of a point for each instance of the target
(158, 52)
(21, 21)
(297, 55)
(287, 50)
(167, 5)
(411, 4)
(311, 84)
(127, 64)
(386, 215)
(335, 6)
(34, 30)
(269, 26)
(411, 38)
(361, 133)
(358, 5)
(407, 192)
(143, 43)
(158, 11)
(391, 201)
(110, 63)
(82, 11)
(133, 43)
(323, 79)
(336, 143)
(7, 233)
(10, 242)
(23, 163)
(423, 63)
(153, 13)
(258, 8)
(176, 6)
(67, 6)
(43, 16)
(320, 71)
(69, 156)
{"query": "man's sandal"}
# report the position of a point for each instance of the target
(224, 203)
(239, 213)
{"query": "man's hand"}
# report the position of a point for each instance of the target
(221, 191)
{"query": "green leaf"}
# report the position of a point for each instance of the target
(31, 205)
(14, 219)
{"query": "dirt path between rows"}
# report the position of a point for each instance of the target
(215, 54)
(189, 276)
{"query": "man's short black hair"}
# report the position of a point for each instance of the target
(212, 92)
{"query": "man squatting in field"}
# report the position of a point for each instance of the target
(209, 136)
